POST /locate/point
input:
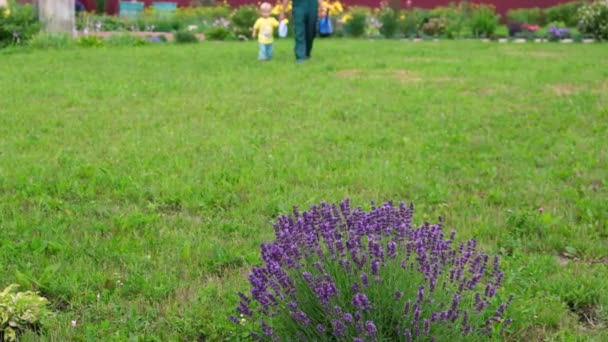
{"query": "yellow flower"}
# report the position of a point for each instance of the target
(346, 17)
(6, 11)
(402, 17)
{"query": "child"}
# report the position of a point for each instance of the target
(264, 30)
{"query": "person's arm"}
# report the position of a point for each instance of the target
(322, 12)
(282, 16)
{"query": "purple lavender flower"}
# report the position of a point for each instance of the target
(358, 339)
(364, 280)
(320, 328)
(406, 308)
(408, 336)
(375, 266)
(398, 295)
(234, 319)
(370, 328)
(361, 302)
(266, 329)
(420, 297)
(391, 248)
(348, 317)
(338, 328)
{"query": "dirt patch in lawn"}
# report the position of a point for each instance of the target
(565, 89)
(401, 75)
(535, 54)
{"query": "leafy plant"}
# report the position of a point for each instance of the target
(483, 21)
(567, 12)
(51, 41)
(340, 274)
(218, 33)
(389, 19)
(534, 16)
(411, 21)
(557, 31)
(125, 40)
(594, 19)
(243, 20)
(91, 41)
(20, 25)
(434, 27)
(455, 18)
(20, 311)
(357, 24)
(185, 37)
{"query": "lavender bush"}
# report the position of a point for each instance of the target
(556, 33)
(347, 274)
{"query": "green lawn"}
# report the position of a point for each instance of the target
(149, 176)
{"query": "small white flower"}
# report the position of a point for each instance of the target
(74, 324)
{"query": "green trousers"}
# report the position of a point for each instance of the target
(305, 14)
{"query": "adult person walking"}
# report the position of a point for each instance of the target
(305, 16)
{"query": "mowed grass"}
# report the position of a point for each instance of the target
(136, 184)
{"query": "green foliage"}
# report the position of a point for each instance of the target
(594, 19)
(532, 16)
(566, 13)
(483, 21)
(218, 33)
(357, 25)
(90, 41)
(149, 176)
(243, 20)
(125, 40)
(51, 41)
(19, 26)
(390, 22)
(434, 27)
(185, 37)
(411, 24)
(455, 18)
(20, 312)
(105, 22)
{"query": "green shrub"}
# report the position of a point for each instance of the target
(534, 16)
(594, 19)
(218, 33)
(412, 20)
(243, 20)
(51, 41)
(390, 22)
(483, 21)
(20, 312)
(125, 40)
(434, 27)
(19, 26)
(454, 17)
(185, 37)
(566, 13)
(104, 22)
(90, 41)
(357, 25)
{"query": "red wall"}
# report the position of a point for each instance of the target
(501, 5)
